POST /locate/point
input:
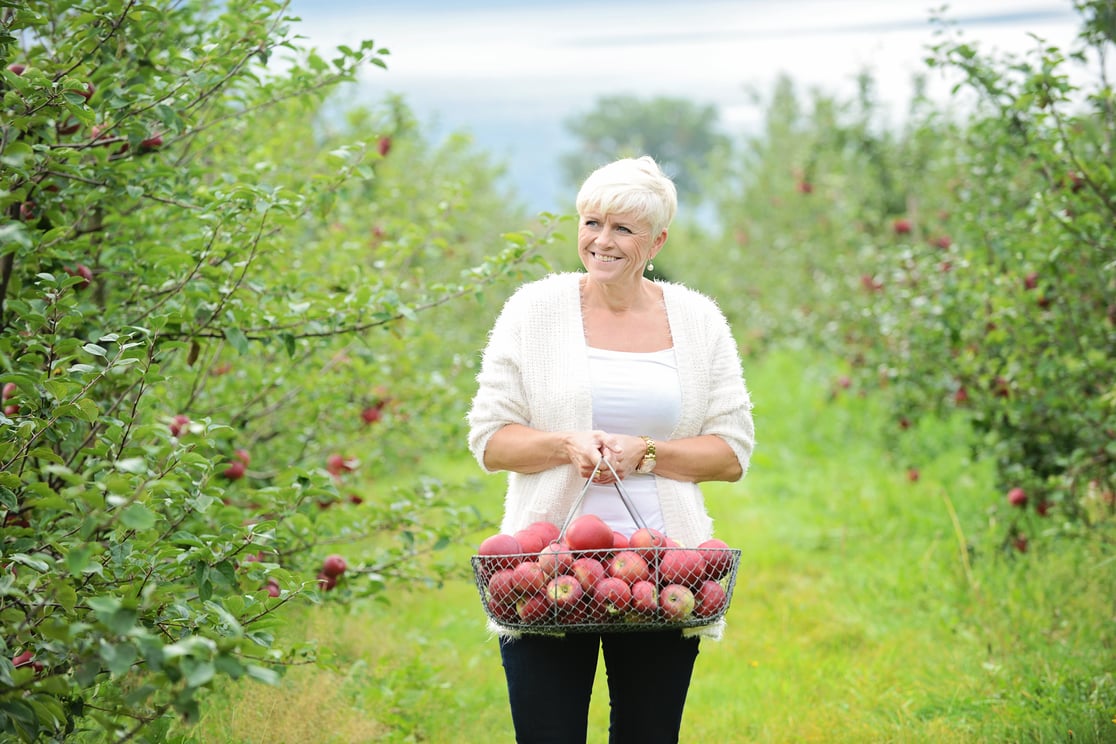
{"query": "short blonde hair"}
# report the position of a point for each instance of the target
(631, 186)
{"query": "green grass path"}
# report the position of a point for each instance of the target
(869, 607)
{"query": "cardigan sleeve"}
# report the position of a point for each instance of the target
(500, 398)
(730, 405)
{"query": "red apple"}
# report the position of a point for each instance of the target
(337, 464)
(902, 226)
(1031, 280)
(676, 601)
(9, 390)
(334, 565)
(372, 414)
(534, 608)
(234, 471)
(530, 541)
(1017, 497)
(683, 566)
(84, 272)
(384, 146)
(1019, 542)
(528, 578)
(243, 456)
(153, 142)
(710, 599)
(588, 571)
(27, 211)
(23, 659)
(645, 597)
(500, 551)
(564, 590)
(619, 541)
(16, 68)
(179, 424)
(272, 588)
(326, 583)
(645, 541)
(629, 566)
(555, 559)
(589, 532)
(503, 611)
(501, 586)
(548, 530)
(718, 557)
(613, 594)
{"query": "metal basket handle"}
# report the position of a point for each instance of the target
(625, 499)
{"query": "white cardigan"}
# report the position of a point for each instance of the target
(535, 372)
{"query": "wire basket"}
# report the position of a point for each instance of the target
(634, 588)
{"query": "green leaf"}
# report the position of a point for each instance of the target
(237, 338)
(137, 517)
(262, 674)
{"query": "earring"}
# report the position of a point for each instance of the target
(650, 266)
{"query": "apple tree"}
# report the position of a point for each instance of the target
(997, 300)
(225, 305)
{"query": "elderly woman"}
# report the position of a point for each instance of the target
(607, 363)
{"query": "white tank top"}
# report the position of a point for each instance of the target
(635, 393)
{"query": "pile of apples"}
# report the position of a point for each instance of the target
(593, 575)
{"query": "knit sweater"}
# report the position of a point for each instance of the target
(535, 372)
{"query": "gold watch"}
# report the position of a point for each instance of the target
(647, 464)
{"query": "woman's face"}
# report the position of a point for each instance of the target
(616, 247)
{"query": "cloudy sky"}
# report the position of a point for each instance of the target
(512, 71)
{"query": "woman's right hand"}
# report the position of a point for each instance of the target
(586, 448)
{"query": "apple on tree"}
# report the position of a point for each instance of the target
(334, 565)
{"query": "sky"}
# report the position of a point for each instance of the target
(512, 72)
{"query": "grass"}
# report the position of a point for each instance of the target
(868, 608)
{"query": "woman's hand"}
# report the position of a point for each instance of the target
(585, 449)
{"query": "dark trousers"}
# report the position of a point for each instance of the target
(550, 681)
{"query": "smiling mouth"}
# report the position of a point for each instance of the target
(603, 258)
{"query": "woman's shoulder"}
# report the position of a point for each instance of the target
(688, 299)
(545, 289)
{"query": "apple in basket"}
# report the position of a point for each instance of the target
(588, 571)
(530, 541)
(676, 601)
(499, 551)
(683, 566)
(589, 532)
(548, 530)
(528, 578)
(534, 608)
(502, 586)
(645, 597)
(613, 594)
(710, 599)
(555, 559)
(645, 541)
(629, 566)
(564, 591)
(718, 559)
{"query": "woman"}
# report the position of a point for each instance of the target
(609, 364)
